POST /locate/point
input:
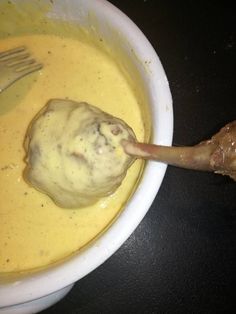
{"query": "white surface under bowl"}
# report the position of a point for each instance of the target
(42, 289)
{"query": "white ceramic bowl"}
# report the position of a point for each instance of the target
(40, 290)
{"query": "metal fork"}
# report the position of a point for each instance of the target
(15, 64)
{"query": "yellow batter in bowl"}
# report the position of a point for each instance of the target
(34, 232)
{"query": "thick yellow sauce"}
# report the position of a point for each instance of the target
(34, 232)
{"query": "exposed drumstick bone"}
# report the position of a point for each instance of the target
(217, 154)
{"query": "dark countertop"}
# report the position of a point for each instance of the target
(181, 258)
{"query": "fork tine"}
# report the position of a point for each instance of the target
(11, 51)
(21, 64)
(12, 59)
(30, 69)
(15, 64)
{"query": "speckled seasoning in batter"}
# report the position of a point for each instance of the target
(34, 232)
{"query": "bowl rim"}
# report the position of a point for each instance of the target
(55, 278)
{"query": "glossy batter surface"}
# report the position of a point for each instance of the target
(34, 232)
